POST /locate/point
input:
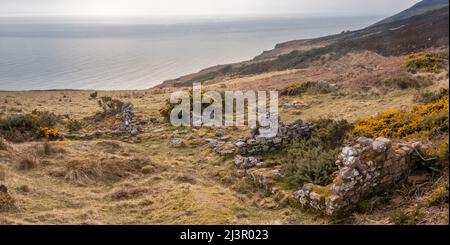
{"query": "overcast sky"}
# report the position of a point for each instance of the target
(201, 7)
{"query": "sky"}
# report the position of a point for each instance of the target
(201, 7)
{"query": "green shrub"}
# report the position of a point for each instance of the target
(309, 162)
(332, 133)
(19, 122)
(313, 160)
(18, 128)
(23, 127)
(45, 118)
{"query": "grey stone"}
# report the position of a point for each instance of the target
(238, 160)
(351, 162)
(158, 130)
(349, 151)
(365, 141)
(332, 87)
(176, 142)
(240, 144)
(381, 145)
(348, 173)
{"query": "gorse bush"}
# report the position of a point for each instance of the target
(429, 119)
(438, 153)
(439, 196)
(307, 87)
(430, 62)
(298, 89)
(22, 127)
(50, 133)
(313, 160)
(403, 82)
(18, 128)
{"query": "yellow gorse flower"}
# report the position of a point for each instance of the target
(431, 118)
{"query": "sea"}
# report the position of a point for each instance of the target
(124, 53)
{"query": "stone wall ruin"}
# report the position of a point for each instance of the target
(365, 169)
(287, 134)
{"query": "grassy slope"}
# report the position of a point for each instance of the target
(189, 185)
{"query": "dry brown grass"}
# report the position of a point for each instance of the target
(4, 145)
(125, 193)
(28, 161)
(85, 171)
(2, 173)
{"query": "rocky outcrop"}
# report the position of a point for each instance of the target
(365, 169)
(287, 134)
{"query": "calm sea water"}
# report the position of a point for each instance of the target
(41, 53)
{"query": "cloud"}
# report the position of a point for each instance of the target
(201, 7)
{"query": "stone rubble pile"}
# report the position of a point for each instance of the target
(369, 167)
(295, 105)
(327, 87)
(248, 162)
(130, 122)
(223, 148)
(265, 177)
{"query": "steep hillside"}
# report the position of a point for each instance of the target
(401, 37)
(418, 9)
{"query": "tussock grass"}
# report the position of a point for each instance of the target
(27, 161)
(127, 193)
(88, 172)
(4, 145)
